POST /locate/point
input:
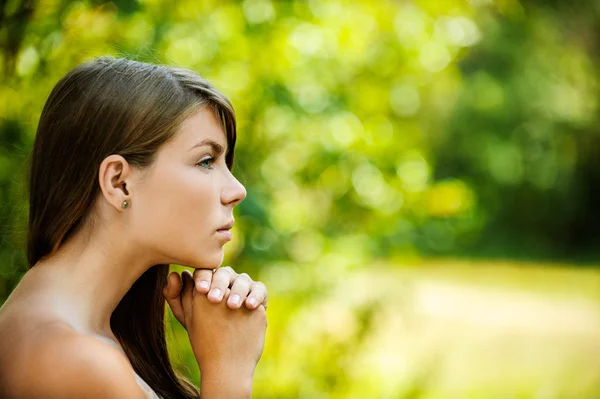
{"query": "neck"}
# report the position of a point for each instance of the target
(92, 272)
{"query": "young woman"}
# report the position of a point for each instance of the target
(130, 173)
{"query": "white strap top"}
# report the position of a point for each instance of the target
(150, 394)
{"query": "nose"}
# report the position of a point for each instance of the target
(233, 193)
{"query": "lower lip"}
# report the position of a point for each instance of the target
(226, 234)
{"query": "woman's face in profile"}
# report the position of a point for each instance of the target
(179, 204)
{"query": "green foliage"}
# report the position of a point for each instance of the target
(392, 128)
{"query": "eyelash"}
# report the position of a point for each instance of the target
(211, 160)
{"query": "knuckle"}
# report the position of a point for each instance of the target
(232, 272)
(225, 273)
(244, 276)
(221, 277)
(260, 286)
(241, 283)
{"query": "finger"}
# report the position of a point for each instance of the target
(172, 294)
(263, 310)
(239, 291)
(221, 280)
(258, 296)
(226, 295)
(173, 286)
(203, 278)
(187, 292)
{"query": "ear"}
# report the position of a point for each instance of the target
(113, 176)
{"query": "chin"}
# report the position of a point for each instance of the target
(208, 262)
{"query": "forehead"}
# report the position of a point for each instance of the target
(201, 125)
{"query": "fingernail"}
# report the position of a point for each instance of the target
(216, 294)
(235, 299)
(252, 301)
(203, 285)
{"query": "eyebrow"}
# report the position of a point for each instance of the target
(218, 148)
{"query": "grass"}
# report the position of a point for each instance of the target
(440, 329)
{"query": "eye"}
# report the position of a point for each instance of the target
(206, 163)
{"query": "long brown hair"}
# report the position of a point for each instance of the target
(115, 106)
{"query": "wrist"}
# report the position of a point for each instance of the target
(220, 382)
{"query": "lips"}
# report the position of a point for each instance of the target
(227, 226)
(224, 232)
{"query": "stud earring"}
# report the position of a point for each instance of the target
(125, 204)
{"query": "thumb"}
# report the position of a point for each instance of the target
(172, 294)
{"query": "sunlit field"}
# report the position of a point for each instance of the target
(441, 329)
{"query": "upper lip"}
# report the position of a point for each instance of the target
(227, 226)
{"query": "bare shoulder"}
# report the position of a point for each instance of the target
(67, 364)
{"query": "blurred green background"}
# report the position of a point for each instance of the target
(422, 176)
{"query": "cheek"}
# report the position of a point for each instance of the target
(179, 214)
(193, 219)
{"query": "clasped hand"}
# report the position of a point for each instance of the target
(224, 315)
(220, 283)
